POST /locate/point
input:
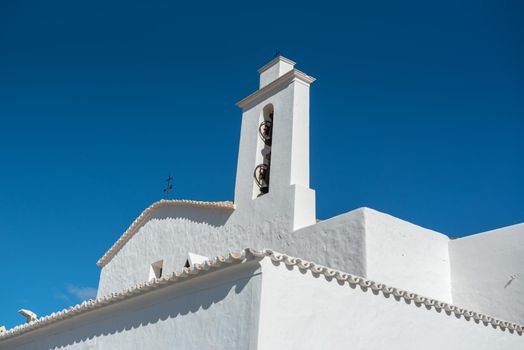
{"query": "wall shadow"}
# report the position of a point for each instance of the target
(172, 302)
(211, 216)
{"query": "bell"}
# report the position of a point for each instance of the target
(265, 131)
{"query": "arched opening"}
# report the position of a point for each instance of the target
(265, 135)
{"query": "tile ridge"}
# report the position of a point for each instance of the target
(250, 254)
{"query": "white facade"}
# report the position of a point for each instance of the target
(265, 300)
(258, 302)
(488, 272)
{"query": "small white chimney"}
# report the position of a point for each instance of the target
(29, 315)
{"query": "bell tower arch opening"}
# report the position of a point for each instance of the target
(263, 157)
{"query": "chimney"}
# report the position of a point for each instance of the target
(30, 316)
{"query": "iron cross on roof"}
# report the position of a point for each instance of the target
(169, 186)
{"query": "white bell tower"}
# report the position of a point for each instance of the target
(273, 160)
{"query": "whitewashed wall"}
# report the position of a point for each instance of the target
(488, 272)
(407, 256)
(302, 311)
(217, 311)
(173, 232)
(363, 242)
(169, 235)
(266, 305)
(339, 242)
(289, 174)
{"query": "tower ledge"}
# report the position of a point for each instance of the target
(285, 79)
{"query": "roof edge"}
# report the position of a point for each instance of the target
(133, 228)
(250, 254)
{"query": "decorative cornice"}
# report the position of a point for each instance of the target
(250, 254)
(147, 213)
(273, 62)
(287, 78)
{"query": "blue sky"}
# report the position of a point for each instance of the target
(417, 112)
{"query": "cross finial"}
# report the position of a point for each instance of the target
(169, 186)
(277, 52)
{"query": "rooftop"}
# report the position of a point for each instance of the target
(250, 254)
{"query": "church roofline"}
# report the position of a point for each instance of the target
(133, 228)
(287, 78)
(247, 255)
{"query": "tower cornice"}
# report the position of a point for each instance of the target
(292, 75)
(275, 61)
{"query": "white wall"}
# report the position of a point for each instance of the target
(339, 242)
(217, 311)
(266, 305)
(274, 70)
(363, 242)
(169, 235)
(407, 256)
(289, 172)
(487, 272)
(173, 232)
(302, 311)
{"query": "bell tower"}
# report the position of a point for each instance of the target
(273, 160)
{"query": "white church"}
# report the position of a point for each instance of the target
(263, 273)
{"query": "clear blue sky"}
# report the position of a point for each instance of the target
(417, 112)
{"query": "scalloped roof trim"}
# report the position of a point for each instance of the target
(146, 214)
(250, 254)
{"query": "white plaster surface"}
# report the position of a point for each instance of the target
(289, 157)
(172, 232)
(402, 254)
(196, 259)
(488, 272)
(263, 304)
(216, 311)
(303, 311)
(339, 242)
(274, 70)
(363, 242)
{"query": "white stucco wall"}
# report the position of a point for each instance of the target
(407, 256)
(339, 242)
(487, 272)
(289, 171)
(303, 311)
(169, 235)
(274, 69)
(363, 242)
(173, 232)
(264, 304)
(216, 311)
